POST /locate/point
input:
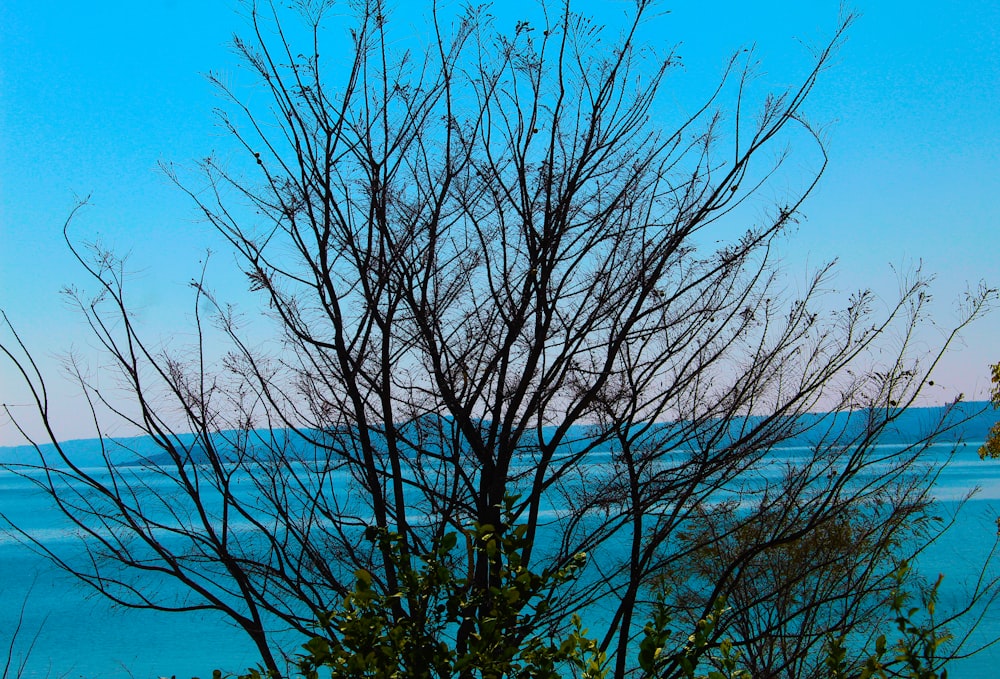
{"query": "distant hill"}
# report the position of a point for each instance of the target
(969, 422)
(90, 452)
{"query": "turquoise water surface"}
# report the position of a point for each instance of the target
(75, 634)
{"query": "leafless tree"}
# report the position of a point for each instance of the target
(19, 649)
(490, 269)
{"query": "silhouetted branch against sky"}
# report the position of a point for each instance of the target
(458, 257)
(97, 95)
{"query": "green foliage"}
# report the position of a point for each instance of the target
(841, 572)
(700, 648)
(441, 625)
(917, 654)
(253, 673)
(423, 631)
(366, 640)
(991, 448)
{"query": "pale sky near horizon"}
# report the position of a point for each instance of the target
(94, 95)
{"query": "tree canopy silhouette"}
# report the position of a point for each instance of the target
(505, 296)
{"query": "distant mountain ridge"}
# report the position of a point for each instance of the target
(913, 423)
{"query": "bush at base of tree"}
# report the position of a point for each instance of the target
(361, 640)
(991, 448)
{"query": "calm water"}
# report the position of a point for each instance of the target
(81, 636)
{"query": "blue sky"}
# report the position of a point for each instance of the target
(94, 95)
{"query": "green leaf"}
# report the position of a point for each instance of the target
(448, 542)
